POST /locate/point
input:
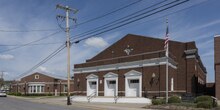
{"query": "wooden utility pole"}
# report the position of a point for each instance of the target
(67, 9)
(2, 79)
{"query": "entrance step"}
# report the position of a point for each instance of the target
(100, 99)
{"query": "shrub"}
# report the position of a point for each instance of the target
(11, 93)
(158, 101)
(18, 94)
(203, 98)
(32, 94)
(63, 94)
(174, 99)
(204, 104)
(49, 94)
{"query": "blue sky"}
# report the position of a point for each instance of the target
(198, 23)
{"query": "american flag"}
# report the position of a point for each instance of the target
(166, 40)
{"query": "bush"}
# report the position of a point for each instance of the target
(11, 93)
(204, 104)
(174, 99)
(203, 98)
(18, 94)
(158, 101)
(63, 94)
(49, 94)
(32, 94)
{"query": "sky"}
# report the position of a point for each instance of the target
(24, 21)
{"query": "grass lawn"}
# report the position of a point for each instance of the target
(178, 106)
(40, 96)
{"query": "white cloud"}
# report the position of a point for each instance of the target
(42, 69)
(96, 42)
(206, 25)
(112, 36)
(6, 57)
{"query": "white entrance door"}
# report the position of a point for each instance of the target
(111, 88)
(133, 88)
(92, 85)
(92, 88)
(133, 84)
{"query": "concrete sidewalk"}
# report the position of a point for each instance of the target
(95, 106)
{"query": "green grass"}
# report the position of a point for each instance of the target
(40, 96)
(186, 104)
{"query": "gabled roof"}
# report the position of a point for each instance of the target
(134, 42)
(46, 74)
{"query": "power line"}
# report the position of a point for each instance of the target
(49, 43)
(109, 13)
(105, 25)
(59, 49)
(192, 6)
(132, 21)
(34, 30)
(63, 46)
(23, 45)
(125, 19)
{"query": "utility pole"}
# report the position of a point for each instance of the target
(2, 79)
(67, 9)
(167, 61)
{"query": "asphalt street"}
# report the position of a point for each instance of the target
(7, 103)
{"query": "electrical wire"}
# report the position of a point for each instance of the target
(34, 30)
(109, 13)
(53, 54)
(131, 21)
(49, 43)
(63, 46)
(105, 26)
(127, 17)
(23, 45)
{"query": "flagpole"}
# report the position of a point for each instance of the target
(167, 64)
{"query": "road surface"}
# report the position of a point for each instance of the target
(8, 103)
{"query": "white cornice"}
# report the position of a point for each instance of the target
(217, 35)
(127, 65)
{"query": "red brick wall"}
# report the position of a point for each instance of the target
(51, 84)
(217, 66)
(185, 76)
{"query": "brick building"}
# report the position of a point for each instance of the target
(41, 83)
(217, 65)
(135, 66)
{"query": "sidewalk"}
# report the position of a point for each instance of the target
(95, 106)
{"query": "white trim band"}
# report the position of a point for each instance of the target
(127, 65)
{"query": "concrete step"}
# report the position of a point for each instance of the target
(99, 99)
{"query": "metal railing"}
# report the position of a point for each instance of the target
(91, 96)
(116, 97)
